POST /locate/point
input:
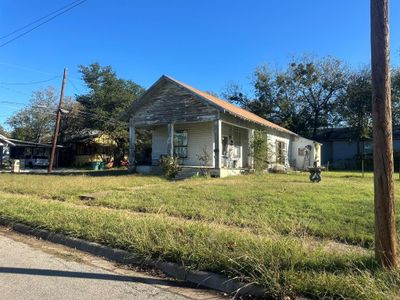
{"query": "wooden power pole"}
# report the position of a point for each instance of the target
(385, 218)
(58, 121)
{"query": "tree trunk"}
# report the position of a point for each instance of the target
(315, 124)
(119, 152)
(385, 221)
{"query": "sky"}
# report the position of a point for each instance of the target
(206, 44)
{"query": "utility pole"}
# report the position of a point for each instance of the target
(385, 218)
(58, 121)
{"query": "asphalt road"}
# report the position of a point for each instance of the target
(35, 269)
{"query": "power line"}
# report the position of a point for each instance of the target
(12, 102)
(29, 83)
(79, 111)
(75, 87)
(37, 20)
(26, 68)
(34, 70)
(40, 24)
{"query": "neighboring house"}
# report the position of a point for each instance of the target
(188, 123)
(86, 147)
(30, 154)
(342, 150)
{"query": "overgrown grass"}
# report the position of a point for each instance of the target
(276, 230)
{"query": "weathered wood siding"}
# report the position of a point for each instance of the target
(200, 137)
(172, 104)
(159, 140)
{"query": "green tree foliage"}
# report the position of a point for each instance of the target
(260, 150)
(72, 120)
(316, 84)
(301, 98)
(272, 98)
(3, 131)
(108, 98)
(396, 96)
(354, 104)
(36, 121)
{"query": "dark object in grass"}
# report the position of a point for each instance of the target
(94, 196)
(86, 197)
(315, 173)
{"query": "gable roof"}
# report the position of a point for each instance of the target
(231, 108)
(218, 103)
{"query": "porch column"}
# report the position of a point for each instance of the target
(251, 152)
(217, 144)
(170, 140)
(132, 148)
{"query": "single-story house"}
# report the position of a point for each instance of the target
(343, 151)
(30, 154)
(188, 123)
(86, 147)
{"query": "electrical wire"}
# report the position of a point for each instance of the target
(29, 83)
(40, 24)
(36, 70)
(79, 111)
(74, 86)
(37, 20)
(12, 102)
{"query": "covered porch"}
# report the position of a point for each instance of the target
(221, 147)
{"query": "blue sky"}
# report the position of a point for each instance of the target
(203, 43)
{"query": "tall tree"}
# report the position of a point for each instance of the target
(35, 122)
(385, 217)
(316, 84)
(354, 105)
(3, 131)
(108, 97)
(301, 98)
(72, 121)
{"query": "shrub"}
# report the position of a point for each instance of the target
(170, 166)
(205, 158)
(260, 150)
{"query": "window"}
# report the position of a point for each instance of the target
(300, 152)
(180, 143)
(280, 152)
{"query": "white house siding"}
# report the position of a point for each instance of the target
(298, 161)
(199, 137)
(274, 136)
(240, 139)
(158, 143)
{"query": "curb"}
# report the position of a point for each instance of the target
(200, 278)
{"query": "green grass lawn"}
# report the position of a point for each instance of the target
(291, 236)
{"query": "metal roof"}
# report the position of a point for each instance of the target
(231, 108)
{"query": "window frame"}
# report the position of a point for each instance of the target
(183, 146)
(280, 151)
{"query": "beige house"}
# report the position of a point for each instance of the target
(191, 124)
